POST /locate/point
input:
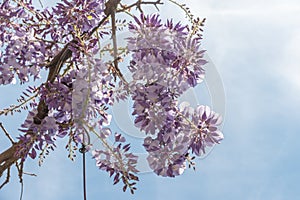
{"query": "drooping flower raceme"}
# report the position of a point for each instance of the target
(30, 38)
(165, 54)
(47, 131)
(166, 61)
(92, 94)
(22, 52)
(81, 15)
(74, 102)
(167, 152)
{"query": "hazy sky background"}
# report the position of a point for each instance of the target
(255, 46)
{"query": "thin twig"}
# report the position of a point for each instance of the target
(22, 190)
(20, 170)
(32, 11)
(29, 174)
(97, 27)
(8, 157)
(6, 133)
(114, 38)
(41, 3)
(12, 108)
(115, 47)
(7, 178)
(138, 5)
(116, 70)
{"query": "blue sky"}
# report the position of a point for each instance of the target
(254, 45)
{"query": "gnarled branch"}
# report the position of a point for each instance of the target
(10, 155)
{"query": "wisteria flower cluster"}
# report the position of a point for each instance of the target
(120, 163)
(167, 61)
(74, 101)
(22, 53)
(165, 54)
(80, 15)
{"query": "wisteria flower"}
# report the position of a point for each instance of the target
(167, 158)
(206, 132)
(153, 105)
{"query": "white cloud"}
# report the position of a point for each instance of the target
(290, 66)
(256, 48)
(237, 50)
(245, 27)
(245, 7)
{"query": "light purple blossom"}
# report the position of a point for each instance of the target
(41, 134)
(117, 161)
(167, 158)
(204, 131)
(166, 60)
(92, 94)
(153, 105)
(23, 52)
(165, 54)
(79, 14)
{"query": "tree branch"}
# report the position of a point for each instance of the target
(138, 5)
(6, 133)
(10, 156)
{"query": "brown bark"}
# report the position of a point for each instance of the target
(9, 156)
